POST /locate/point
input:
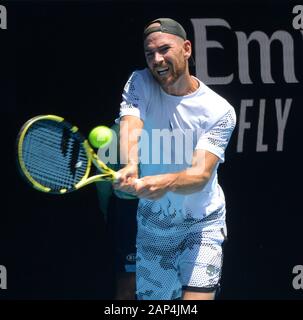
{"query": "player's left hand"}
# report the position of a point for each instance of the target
(152, 187)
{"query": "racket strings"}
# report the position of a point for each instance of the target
(74, 157)
(53, 155)
(64, 140)
(51, 175)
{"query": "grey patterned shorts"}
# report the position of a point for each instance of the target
(188, 256)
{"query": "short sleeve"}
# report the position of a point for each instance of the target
(135, 97)
(216, 139)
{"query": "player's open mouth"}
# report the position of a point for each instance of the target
(162, 71)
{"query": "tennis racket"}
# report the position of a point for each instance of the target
(54, 157)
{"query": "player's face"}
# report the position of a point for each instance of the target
(167, 58)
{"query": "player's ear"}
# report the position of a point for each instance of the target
(187, 49)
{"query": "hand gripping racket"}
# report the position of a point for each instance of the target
(55, 158)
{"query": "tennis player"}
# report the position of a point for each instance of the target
(181, 212)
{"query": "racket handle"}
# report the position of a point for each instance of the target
(117, 176)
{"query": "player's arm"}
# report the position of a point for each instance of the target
(209, 150)
(191, 180)
(130, 130)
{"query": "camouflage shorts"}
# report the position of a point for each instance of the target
(188, 258)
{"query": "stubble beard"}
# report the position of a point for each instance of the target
(173, 77)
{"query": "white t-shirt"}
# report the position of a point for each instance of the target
(174, 126)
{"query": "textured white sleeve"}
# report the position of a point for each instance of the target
(216, 139)
(135, 97)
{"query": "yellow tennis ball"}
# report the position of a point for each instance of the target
(100, 137)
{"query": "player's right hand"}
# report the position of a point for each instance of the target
(126, 181)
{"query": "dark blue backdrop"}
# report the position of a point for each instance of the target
(72, 59)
